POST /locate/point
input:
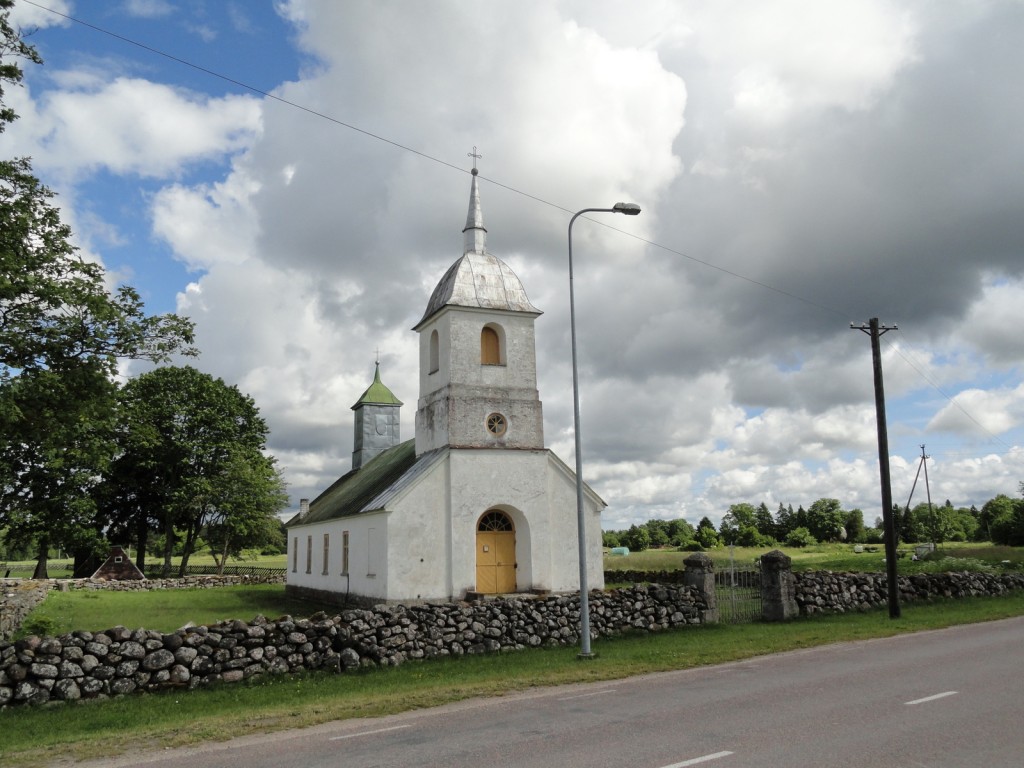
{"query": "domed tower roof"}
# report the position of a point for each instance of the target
(478, 279)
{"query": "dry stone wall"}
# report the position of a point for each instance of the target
(17, 599)
(83, 665)
(825, 591)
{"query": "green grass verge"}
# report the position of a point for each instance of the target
(162, 610)
(33, 737)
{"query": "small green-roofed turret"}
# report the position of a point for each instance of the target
(377, 393)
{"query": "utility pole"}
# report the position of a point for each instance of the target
(875, 331)
(928, 492)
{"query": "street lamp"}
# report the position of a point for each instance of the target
(629, 209)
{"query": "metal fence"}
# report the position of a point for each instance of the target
(155, 570)
(738, 594)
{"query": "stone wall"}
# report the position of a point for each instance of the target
(825, 591)
(79, 665)
(17, 599)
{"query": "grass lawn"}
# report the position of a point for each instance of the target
(40, 736)
(162, 610)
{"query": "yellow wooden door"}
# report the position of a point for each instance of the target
(495, 554)
(486, 557)
(505, 565)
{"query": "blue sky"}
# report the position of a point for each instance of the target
(801, 166)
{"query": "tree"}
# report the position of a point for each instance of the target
(800, 537)
(1008, 526)
(738, 517)
(855, 525)
(992, 510)
(706, 534)
(783, 521)
(826, 520)
(61, 334)
(182, 435)
(764, 522)
(637, 538)
(680, 532)
(56, 437)
(251, 492)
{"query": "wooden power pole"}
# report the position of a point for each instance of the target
(875, 331)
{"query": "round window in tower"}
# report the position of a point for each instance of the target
(496, 424)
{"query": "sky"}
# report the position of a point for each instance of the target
(293, 176)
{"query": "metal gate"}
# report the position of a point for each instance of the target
(738, 594)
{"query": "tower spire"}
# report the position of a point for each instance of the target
(474, 235)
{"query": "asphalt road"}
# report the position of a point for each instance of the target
(944, 699)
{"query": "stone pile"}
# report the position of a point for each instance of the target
(119, 661)
(825, 591)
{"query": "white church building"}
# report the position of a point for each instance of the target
(475, 504)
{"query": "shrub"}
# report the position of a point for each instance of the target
(800, 537)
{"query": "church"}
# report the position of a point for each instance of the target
(474, 504)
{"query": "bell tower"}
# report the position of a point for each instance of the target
(478, 367)
(377, 424)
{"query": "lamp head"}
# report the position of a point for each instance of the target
(630, 209)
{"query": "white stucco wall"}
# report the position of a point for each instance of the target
(368, 563)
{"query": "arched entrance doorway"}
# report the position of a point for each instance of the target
(495, 553)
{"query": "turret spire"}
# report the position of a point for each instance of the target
(474, 235)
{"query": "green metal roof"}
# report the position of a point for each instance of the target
(377, 393)
(353, 491)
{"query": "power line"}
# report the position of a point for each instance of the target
(514, 190)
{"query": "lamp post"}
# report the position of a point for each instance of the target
(629, 209)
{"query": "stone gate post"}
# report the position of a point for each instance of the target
(778, 587)
(700, 573)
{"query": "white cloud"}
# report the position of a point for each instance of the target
(982, 412)
(130, 125)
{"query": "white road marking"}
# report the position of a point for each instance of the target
(585, 695)
(698, 760)
(931, 698)
(368, 733)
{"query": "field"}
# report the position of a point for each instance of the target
(59, 568)
(831, 557)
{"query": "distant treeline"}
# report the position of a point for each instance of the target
(1000, 520)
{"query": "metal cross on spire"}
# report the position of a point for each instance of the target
(476, 156)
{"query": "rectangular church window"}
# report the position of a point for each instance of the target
(327, 545)
(344, 553)
(370, 569)
(309, 554)
(295, 554)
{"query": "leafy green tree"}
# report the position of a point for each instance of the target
(706, 534)
(637, 538)
(800, 537)
(855, 526)
(1008, 527)
(680, 532)
(61, 335)
(783, 521)
(610, 539)
(251, 491)
(738, 517)
(182, 433)
(764, 522)
(56, 436)
(908, 526)
(992, 510)
(826, 520)
(658, 531)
